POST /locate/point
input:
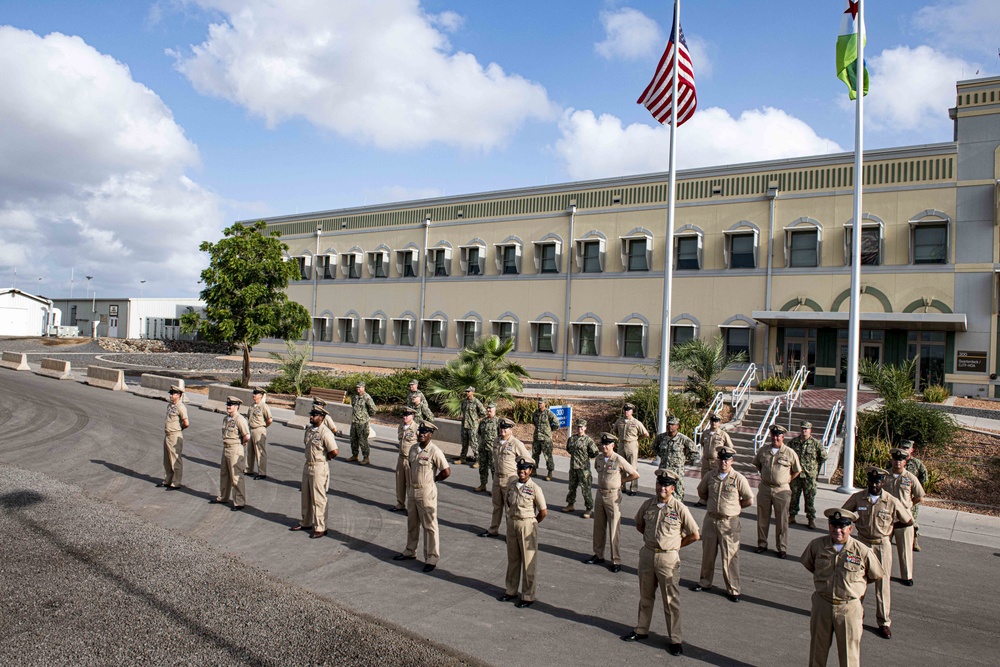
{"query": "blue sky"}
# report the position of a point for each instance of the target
(135, 130)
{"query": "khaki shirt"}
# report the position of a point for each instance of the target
(259, 415)
(425, 464)
(841, 576)
(328, 422)
(711, 440)
(906, 488)
(609, 473)
(407, 436)
(176, 414)
(665, 526)
(234, 430)
(875, 520)
(505, 456)
(525, 502)
(725, 496)
(318, 440)
(777, 469)
(629, 431)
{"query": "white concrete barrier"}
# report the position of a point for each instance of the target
(55, 368)
(217, 394)
(157, 386)
(105, 378)
(15, 361)
(340, 412)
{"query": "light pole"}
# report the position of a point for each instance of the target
(141, 283)
(93, 304)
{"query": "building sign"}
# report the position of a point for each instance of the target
(970, 362)
(113, 311)
(564, 413)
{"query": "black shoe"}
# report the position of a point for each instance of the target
(403, 557)
(397, 509)
(633, 637)
(884, 632)
(506, 597)
(699, 504)
(524, 603)
(760, 550)
(616, 568)
(487, 533)
(907, 582)
(697, 588)
(216, 501)
(173, 488)
(160, 485)
(260, 477)
(675, 649)
(733, 598)
(237, 508)
(429, 567)
(594, 560)
(782, 554)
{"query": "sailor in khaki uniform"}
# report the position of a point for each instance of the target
(905, 486)
(173, 439)
(628, 430)
(525, 510)
(879, 513)
(666, 526)
(613, 471)
(506, 451)
(407, 436)
(711, 441)
(235, 436)
(328, 420)
(427, 466)
(320, 448)
(778, 465)
(842, 568)
(259, 418)
(727, 493)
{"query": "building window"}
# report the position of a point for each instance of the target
(303, 264)
(72, 316)
(803, 248)
(591, 252)
(681, 333)
(473, 260)
(586, 339)
(548, 258)
(636, 250)
(930, 243)
(738, 340)
(376, 329)
(505, 330)
(468, 330)
(435, 333)
(406, 263)
(438, 262)
(871, 245)
(322, 331)
(928, 348)
(632, 340)
(509, 260)
(687, 254)
(404, 335)
(543, 335)
(353, 266)
(348, 330)
(508, 256)
(742, 251)
(378, 264)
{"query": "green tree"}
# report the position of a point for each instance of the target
(244, 292)
(705, 361)
(891, 383)
(483, 365)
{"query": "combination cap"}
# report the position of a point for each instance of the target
(174, 389)
(317, 410)
(505, 423)
(778, 429)
(232, 400)
(665, 477)
(409, 411)
(899, 454)
(874, 472)
(426, 427)
(525, 464)
(840, 517)
(726, 452)
(628, 406)
(715, 418)
(609, 439)
(257, 391)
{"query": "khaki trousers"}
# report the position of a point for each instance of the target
(773, 499)
(630, 450)
(402, 480)
(607, 523)
(883, 551)
(721, 535)
(315, 480)
(231, 475)
(828, 620)
(904, 549)
(659, 570)
(522, 552)
(422, 513)
(173, 464)
(498, 506)
(257, 452)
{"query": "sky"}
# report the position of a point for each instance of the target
(133, 130)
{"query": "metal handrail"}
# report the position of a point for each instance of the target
(795, 388)
(770, 416)
(830, 433)
(713, 408)
(741, 392)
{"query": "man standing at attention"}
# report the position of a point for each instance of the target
(328, 421)
(811, 456)
(506, 452)
(320, 448)
(415, 393)
(726, 492)
(879, 513)
(842, 568)
(544, 421)
(472, 412)
(407, 436)
(613, 471)
(486, 435)
(235, 436)
(428, 466)
(628, 430)
(778, 465)
(259, 417)
(905, 486)
(711, 441)
(666, 526)
(581, 448)
(525, 510)
(173, 439)
(917, 467)
(675, 451)
(362, 410)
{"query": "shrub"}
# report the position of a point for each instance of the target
(646, 398)
(929, 429)
(936, 393)
(934, 478)
(520, 410)
(776, 382)
(869, 451)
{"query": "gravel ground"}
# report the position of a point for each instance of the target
(86, 583)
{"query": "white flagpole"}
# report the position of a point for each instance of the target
(668, 245)
(854, 319)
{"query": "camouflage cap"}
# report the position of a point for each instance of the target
(906, 445)
(672, 419)
(413, 383)
(840, 517)
(580, 422)
(491, 404)
(468, 389)
(360, 385)
(805, 425)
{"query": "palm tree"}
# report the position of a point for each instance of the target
(891, 383)
(483, 365)
(705, 361)
(293, 365)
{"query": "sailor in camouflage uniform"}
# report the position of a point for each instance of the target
(675, 451)
(581, 448)
(919, 470)
(362, 410)
(544, 420)
(811, 456)
(487, 434)
(472, 412)
(420, 409)
(413, 394)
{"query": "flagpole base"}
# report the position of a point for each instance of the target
(847, 490)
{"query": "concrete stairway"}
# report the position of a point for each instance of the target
(743, 435)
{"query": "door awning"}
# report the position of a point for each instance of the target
(908, 321)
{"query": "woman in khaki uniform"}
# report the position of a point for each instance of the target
(525, 510)
(259, 418)
(711, 441)
(320, 448)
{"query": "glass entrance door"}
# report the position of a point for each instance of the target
(800, 350)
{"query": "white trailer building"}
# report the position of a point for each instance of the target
(23, 314)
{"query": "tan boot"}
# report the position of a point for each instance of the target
(476, 464)
(548, 477)
(568, 508)
(916, 544)
(586, 515)
(481, 487)
(460, 460)
(366, 462)
(352, 459)
(812, 524)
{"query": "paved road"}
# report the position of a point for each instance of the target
(107, 445)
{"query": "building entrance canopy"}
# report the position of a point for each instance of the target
(908, 321)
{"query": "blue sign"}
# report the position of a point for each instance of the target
(564, 413)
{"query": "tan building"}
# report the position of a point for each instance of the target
(574, 272)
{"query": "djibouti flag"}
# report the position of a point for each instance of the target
(847, 48)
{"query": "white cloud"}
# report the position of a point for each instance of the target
(911, 89)
(964, 25)
(92, 173)
(599, 147)
(375, 70)
(629, 34)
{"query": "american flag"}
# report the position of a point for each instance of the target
(657, 96)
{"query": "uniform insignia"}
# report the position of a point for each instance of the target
(853, 559)
(673, 516)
